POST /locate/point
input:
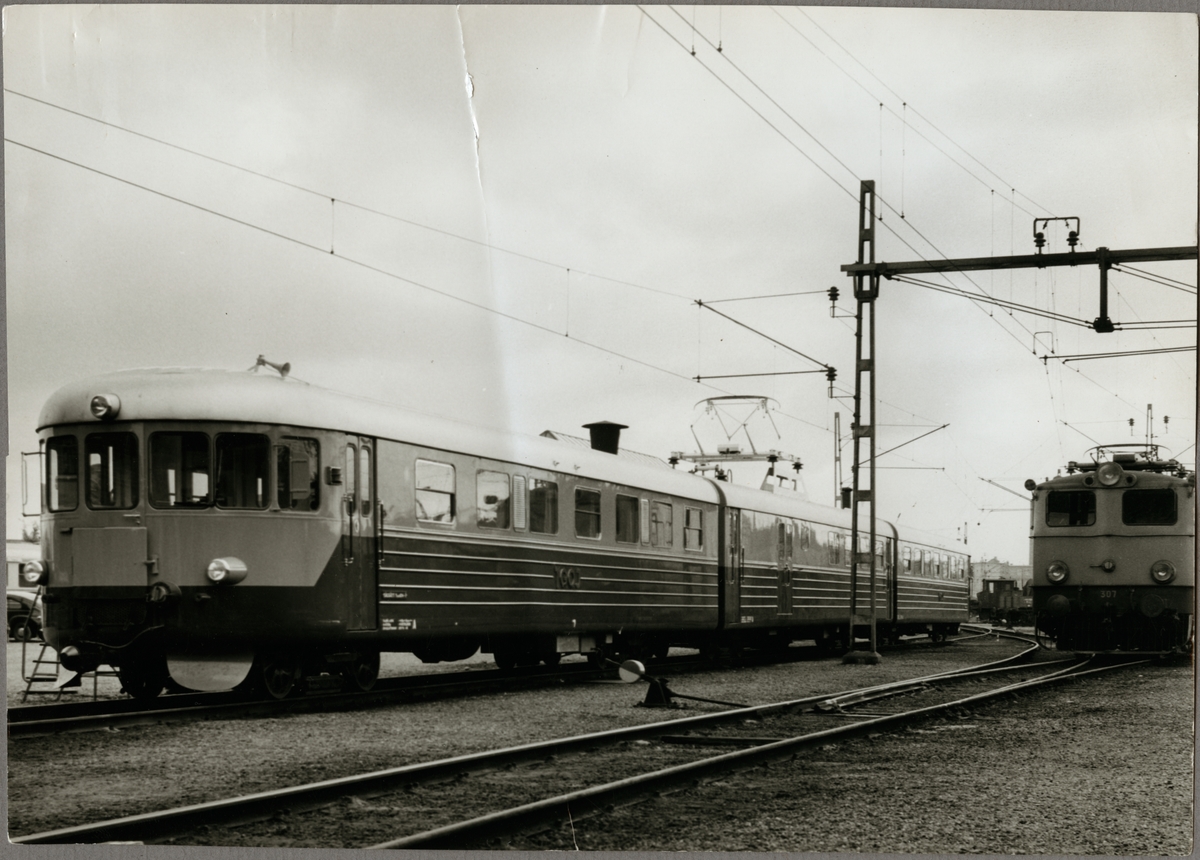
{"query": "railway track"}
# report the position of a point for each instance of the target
(678, 751)
(38, 720)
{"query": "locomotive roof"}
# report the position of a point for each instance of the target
(198, 394)
(202, 394)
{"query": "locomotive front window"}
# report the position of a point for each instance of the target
(627, 519)
(1070, 508)
(492, 495)
(1149, 507)
(62, 486)
(179, 476)
(587, 513)
(543, 507)
(297, 467)
(242, 470)
(435, 492)
(112, 466)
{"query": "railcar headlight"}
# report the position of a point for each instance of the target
(1162, 571)
(34, 573)
(226, 571)
(1057, 571)
(1109, 474)
(106, 406)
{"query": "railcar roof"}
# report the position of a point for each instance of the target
(199, 394)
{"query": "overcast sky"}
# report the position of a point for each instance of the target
(524, 203)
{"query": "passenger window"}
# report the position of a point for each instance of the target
(627, 519)
(1149, 507)
(112, 464)
(834, 548)
(693, 529)
(805, 535)
(62, 486)
(179, 470)
(435, 492)
(587, 513)
(491, 499)
(350, 476)
(662, 526)
(543, 507)
(520, 503)
(1070, 508)
(242, 470)
(644, 519)
(297, 471)
(906, 558)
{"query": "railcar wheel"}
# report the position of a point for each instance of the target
(142, 680)
(279, 676)
(552, 659)
(505, 660)
(363, 671)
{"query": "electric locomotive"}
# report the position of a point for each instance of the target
(208, 528)
(1113, 553)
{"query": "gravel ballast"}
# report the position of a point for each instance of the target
(1102, 766)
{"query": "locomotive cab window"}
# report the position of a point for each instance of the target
(179, 470)
(297, 467)
(1149, 507)
(242, 470)
(112, 466)
(62, 480)
(1070, 508)
(435, 492)
(587, 513)
(543, 507)
(627, 519)
(492, 499)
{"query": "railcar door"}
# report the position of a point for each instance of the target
(359, 535)
(735, 566)
(784, 569)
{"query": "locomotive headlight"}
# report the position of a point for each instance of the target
(106, 406)
(1109, 474)
(1162, 571)
(34, 573)
(1057, 571)
(226, 571)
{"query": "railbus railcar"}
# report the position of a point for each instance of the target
(208, 528)
(1113, 545)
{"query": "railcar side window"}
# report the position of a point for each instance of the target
(112, 465)
(835, 548)
(906, 558)
(242, 470)
(627, 519)
(492, 499)
(1070, 508)
(62, 484)
(435, 492)
(693, 529)
(587, 513)
(297, 471)
(662, 526)
(1149, 507)
(179, 470)
(520, 503)
(543, 507)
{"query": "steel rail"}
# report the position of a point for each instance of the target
(580, 803)
(162, 823)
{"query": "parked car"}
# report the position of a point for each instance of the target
(24, 614)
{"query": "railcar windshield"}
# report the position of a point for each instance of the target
(112, 466)
(1070, 508)
(62, 484)
(179, 470)
(1149, 507)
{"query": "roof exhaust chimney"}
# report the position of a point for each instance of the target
(606, 435)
